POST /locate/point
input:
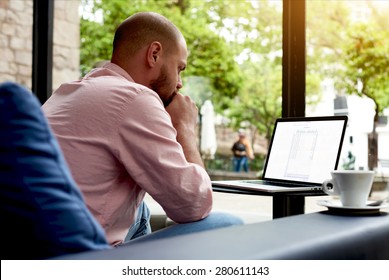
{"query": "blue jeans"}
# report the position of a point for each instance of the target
(141, 225)
(213, 221)
(240, 163)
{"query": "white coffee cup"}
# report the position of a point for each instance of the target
(352, 186)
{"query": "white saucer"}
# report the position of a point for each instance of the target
(336, 206)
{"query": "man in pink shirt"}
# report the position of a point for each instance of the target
(126, 130)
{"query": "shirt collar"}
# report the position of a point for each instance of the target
(118, 70)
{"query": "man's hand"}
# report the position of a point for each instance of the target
(184, 114)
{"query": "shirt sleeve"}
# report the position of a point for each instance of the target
(148, 148)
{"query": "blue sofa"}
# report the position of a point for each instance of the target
(43, 213)
(44, 216)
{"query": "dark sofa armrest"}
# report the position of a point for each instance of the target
(312, 236)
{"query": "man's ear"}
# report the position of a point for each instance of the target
(154, 53)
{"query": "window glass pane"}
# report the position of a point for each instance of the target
(347, 62)
(252, 35)
(235, 60)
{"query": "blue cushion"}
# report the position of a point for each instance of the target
(43, 213)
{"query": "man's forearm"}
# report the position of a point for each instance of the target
(188, 142)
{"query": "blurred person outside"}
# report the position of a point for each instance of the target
(125, 129)
(242, 152)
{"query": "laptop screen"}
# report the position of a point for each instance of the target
(305, 149)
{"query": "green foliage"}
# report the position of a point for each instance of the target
(211, 58)
(255, 31)
(210, 55)
(224, 162)
(259, 103)
(326, 22)
(366, 64)
(236, 51)
(355, 55)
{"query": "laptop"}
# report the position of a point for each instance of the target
(301, 155)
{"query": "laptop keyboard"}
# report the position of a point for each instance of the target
(272, 183)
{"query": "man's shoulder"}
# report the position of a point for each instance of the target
(115, 78)
(104, 83)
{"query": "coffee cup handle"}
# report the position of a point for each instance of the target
(329, 187)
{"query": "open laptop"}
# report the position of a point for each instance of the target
(301, 155)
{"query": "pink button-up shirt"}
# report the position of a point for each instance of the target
(119, 142)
